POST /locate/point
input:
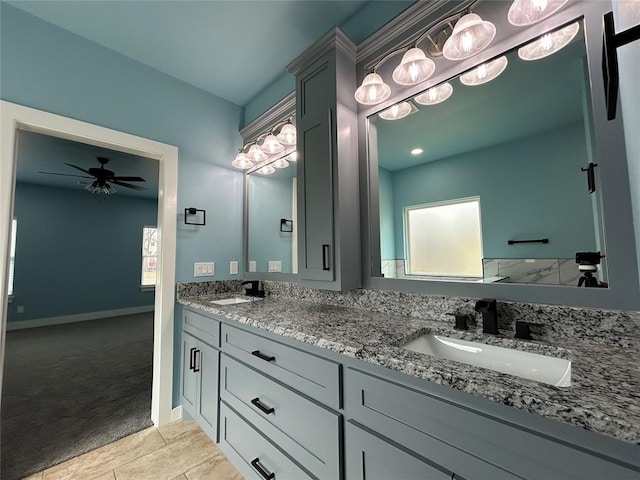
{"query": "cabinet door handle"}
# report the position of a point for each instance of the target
(266, 358)
(325, 257)
(256, 401)
(192, 358)
(195, 361)
(267, 475)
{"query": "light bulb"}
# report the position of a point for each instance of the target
(482, 72)
(467, 41)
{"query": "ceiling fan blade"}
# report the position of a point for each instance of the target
(65, 174)
(129, 179)
(128, 185)
(78, 168)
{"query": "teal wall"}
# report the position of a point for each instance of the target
(50, 69)
(358, 27)
(387, 220)
(530, 188)
(77, 252)
(270, 199)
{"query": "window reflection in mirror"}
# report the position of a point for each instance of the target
(272, 226)
(517, 144)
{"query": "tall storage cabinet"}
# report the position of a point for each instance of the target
(328, 198)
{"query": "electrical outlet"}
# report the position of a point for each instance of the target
(275, 266)
(203, 269)
(252, 265)
(233, 267)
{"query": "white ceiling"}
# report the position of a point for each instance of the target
(233, 49)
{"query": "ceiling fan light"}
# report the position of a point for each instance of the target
(242, 162)
(435, 95)
(373, 90)
(266, 170)
(281, 163)
(484, 73)
(549, 43)
(414, 68)
(470, 36)
(397, 111)
(287, 135)
(100, 188)
(528, 12)
(271, 145)
(255, 154)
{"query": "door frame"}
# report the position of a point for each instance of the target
(15, 117)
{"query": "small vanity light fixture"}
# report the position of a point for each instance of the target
(190, 212)
(397, 111)
(266, 145)
(484, 73)
(470, 36)
(417, 151)
(435, 95)
(549, 43)
(527, 12)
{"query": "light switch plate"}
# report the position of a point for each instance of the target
(233, 267)
(275, 266)
(203, 269)
(252, 265)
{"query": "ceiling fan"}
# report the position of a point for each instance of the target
(103, 178)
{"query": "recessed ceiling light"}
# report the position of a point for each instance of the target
(416, 151)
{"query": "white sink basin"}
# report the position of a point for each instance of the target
(541, 368)
(234, 300)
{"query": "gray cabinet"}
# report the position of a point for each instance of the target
(328, 198)
(200, 371)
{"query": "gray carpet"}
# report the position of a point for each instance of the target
(71, 388)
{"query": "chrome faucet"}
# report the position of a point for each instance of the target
(487, 306)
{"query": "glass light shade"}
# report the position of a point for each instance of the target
(242, 162)
(256, 154)
(527, 12)
(373, 90)
(435, 94)
(287, 135)
(271, 145)
(484, 73)
(396, 112)
(292, 157)
(549, 43)
(266, 170)
(414, 68)
(470, 36)
(100, 188)
(281, 163)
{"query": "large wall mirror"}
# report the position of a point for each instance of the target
(481, 179)
(479, 187)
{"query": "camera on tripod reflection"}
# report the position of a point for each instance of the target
(588, 264)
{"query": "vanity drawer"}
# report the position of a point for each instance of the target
(305, 430)
(252, 454)
(314, 376)
(203, 327)
(469, 443)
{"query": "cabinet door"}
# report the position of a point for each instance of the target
(369, 457)
(208, 365)
(189, 376)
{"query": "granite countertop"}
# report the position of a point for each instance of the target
(604, 395)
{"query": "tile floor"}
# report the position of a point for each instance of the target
(177, 451)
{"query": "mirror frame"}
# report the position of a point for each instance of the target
(607, 139)
(281, 110)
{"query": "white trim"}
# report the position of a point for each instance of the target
(17, 117)
(78, 317)
(176, 413)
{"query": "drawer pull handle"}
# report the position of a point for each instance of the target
(325, 257)
(255, 463)
(195, 361)
(192, 358)
(256, 401)
(264, 357)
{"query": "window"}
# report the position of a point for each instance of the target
(444, 238)
(149, 255)
(12, 254)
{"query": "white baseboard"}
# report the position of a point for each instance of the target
(80, 317)
(176, 413)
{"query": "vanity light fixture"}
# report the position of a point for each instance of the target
(484, 73)
(470, 36)
(527, 12)
(435, 95)
(266, 145)
(397, 111)
(549, 43)
(416, 151)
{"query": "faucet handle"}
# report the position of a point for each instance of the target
(462, 320)
(523, 330)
